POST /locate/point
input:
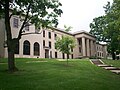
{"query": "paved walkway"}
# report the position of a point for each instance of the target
(100, 63)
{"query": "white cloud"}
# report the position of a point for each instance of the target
(80, 13)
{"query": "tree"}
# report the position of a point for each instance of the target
(106, 28)
(41, 13)
(65, 45)
(67, 28)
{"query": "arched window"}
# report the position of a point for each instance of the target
(26, 48)
(36, 49)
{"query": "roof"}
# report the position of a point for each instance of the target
(82, 31)
(73, 34)
(61, 30)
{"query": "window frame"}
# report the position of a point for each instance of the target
(26, 47)
(15, 22)
(49, 35)
(36, 49)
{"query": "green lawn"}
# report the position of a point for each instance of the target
(50, 74)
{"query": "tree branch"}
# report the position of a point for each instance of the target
(20, 32)
(28, 24)
(29, 19)
(11, 15)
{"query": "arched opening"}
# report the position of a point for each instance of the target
(26, 48)
(36, 49)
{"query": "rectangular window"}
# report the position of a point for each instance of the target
(50, 54)
(43, 33)
(15, 22)
(55, 46)
(72, 56)
(55, 54)
(79, 41)
(98, 54)
(43, 43)
(71, 49)
(27, 27)
(55, 36)
(79, 49)
(49, 44)
(49, 34)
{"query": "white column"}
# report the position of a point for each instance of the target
(31, 49)
(94, 44)
(21, 48)
(83, 47)
(88, 48)
(91, 43)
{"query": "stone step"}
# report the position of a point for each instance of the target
(104, 65)
(96, 62)
(111, 68)
(115, 71)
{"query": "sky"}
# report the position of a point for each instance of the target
(80, 13)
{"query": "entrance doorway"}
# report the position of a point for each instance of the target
(46, 53)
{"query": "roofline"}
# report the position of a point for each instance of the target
(61, 31)
(84, 33)
(72, 34)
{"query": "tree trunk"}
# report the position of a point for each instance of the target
(11, 60)
(67, 59)
(10, 42)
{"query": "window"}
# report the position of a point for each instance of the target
(17, 48)
(50, 54)
(49, 44)
(71, 49)
(72, 56)
(43, 33)
(15, 22)
(26, 48)
(49, 34)
(79, 49)
(79, 41)
(43, 43)
(36, 49)
(98, 54)
(55, 36)
(55, 54)
(27, 26)
(102, 55)
(55, 46)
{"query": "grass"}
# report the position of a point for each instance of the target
(112, 62)
(50, 74)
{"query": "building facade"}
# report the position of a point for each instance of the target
(41, 44)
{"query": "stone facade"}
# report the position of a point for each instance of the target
(41, 44)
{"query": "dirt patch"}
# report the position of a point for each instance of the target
(35, 61)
